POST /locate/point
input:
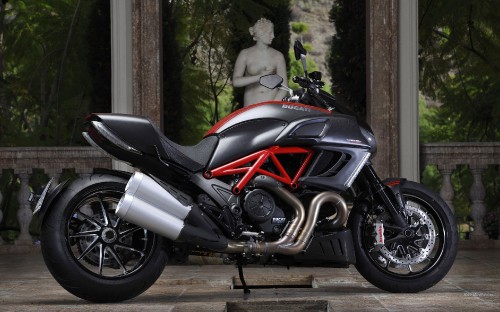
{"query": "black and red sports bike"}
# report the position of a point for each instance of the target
(281, 182)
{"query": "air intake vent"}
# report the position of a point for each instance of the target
(329, 163)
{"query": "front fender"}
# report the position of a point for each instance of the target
(395, 185)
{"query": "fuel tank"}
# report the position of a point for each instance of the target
(262, 125)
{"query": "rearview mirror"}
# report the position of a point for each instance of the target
(271, 81)
(299, 50)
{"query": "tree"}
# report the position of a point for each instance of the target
(460, 72)
(347, 60)
(459, 66)
(195, 67)
(46, 83)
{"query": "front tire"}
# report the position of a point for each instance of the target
(411, 261)
(91, 252)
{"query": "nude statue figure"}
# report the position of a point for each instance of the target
(257, 61)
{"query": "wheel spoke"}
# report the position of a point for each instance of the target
(130, 249)
(88, 249)
(117, 258)
(85, 234)
(93, 221)
(104, 213)
(101, 258)
(130, 231)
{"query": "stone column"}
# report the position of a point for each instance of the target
(1, 213)
(382, 83)
(409, 149)
(447, 193)
(147, 62)
(24, 213)
(477, 209)
(121, 63)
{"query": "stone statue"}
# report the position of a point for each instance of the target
(257, 61)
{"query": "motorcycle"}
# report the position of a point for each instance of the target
(276, 183)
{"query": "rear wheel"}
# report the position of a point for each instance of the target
(91, 252)
(412, 260)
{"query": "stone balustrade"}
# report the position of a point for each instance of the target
(477, 156)
(52, 160)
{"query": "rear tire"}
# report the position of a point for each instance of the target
(91, 252)
(412, 261)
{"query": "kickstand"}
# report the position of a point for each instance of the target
(246, 290)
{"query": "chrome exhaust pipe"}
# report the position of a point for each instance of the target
(168, 212)
(149, 205)
(291, 242)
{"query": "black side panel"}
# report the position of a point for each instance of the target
(246, 138)
(330, 248)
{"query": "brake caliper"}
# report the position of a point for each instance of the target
(379, 235)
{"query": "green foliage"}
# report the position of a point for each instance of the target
(46, 85)
(300, 28)
(346, 60)
(196, 68)
(460, 75)
(460, 68)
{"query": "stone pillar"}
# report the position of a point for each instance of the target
(147, 63)
(382, 82)
(24, 213)
(1, 213)
(409, 149)
(121, 63)
(447, 193)
(477, 209)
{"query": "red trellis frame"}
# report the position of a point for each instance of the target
(258, 159)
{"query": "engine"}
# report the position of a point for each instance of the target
(261, 211)
(257, 215)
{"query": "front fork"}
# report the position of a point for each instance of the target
(389, 194)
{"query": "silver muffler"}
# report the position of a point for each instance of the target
(151, 206)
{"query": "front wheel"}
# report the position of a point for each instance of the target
(412, 260)
(91, 252)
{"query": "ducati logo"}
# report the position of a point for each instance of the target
(294, 107)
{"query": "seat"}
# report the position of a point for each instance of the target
(193, 158)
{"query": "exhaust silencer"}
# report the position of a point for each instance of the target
(149, 205)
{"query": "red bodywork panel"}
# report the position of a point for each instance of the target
(224, 120)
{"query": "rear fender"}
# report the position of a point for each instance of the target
(54, 193)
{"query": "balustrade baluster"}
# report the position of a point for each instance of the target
(24, 213)
(478, 209)
(447, 192)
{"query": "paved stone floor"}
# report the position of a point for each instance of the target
(473, 284)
